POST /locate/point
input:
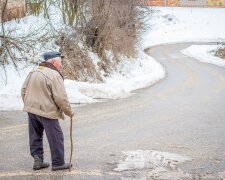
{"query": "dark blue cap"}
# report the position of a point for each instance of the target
(52, 54)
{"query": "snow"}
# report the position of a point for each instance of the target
(160, 165)
(135, 74)
(204, 53)
(184, 24)
(10, 98)
(167, 25)
(151, 164)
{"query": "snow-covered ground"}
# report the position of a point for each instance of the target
(183, 24)
(204, 53)
(167, 25)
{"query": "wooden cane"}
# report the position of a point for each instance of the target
(71, 141)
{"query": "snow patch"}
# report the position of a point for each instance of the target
(160, 165)
(10, 97)
(204, 53)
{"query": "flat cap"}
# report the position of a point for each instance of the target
(52, 54)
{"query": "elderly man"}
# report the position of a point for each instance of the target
(45, 100)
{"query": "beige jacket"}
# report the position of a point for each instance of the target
(44, 94)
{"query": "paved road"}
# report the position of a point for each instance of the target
(183, 113)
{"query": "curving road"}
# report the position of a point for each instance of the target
(183, 114)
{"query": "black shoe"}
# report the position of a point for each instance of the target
(39, 164)
(64, 166)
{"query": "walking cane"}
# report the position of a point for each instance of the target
(71, 140)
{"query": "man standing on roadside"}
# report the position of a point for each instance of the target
(45, 101)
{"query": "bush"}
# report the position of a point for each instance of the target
(107, 27)
(114, 26)
(221, 51)
(77, 65)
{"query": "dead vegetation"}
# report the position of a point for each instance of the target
(102, 26)
(114, 26)
(221, 51)
(105, 27)
(77, 64)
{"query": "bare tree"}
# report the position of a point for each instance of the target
(18, 48)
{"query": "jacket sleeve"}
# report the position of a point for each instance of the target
(24, 87)
(60, 96)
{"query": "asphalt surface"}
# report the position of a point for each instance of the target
(183, 113)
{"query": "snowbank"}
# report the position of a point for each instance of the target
(159, 165)
(131, 75)
(204, 53)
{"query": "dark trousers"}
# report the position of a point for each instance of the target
(37, 124)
